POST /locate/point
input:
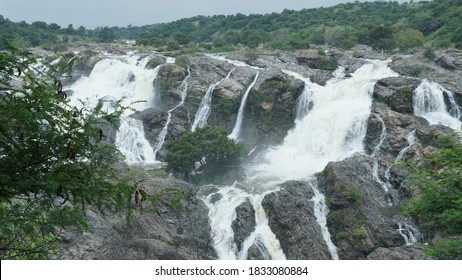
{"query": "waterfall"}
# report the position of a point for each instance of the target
(163, 133)
(222, 211)
(374, 155)
(410, 140)
(240, 115)
(333, 130)
(305, 101)
(429, 103)
(320, 211)
(121, 77)
(204, 110)
(132, 144)
(410, 234)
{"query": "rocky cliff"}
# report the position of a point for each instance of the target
(363, 192)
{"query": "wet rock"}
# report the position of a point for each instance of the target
(167, 85)
(154, 120)
(255, 254)
(313, 59)
(397, 92)
(355, 222)
(244, 224)
(291, 218)
(418, 66)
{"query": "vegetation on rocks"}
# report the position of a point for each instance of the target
(438, 208)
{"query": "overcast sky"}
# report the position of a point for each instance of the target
(93, 13)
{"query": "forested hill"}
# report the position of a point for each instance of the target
(382, 25)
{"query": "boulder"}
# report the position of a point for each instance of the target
(244, 224)
(291, 217)
(397, 92)
(413, 252)
(159, 230)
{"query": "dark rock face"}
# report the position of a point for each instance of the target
(167, 84)
(160, 231)
(397, 93)
(271, 106)
(398, 127)
(355, 221)
(291, 218)
(244, 224)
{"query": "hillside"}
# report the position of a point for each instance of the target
(382, 25)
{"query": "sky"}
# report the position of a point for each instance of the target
(94, 13)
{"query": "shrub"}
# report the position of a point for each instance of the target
(209, 146)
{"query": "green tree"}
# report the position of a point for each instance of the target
(54, 162)
(181, 38)
(438, 208)
(106, 35)
(172, 44)
(409, 38)
(209, 146)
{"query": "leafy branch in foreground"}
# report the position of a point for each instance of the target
(54, 161)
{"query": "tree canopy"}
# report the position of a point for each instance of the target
(208, 146)
(54, 161)
(381, 25)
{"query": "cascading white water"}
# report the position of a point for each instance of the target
(163, 133)
(240, 115)
(410, 234)
(374, 155)
(132, 144)
(222, 212)
(204, 110)
(410, 140)
(320, 211)
(306, 99)
(124, 78)
(429, 103)
(333, 129)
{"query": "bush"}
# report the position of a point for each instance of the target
(439, 206)
(446, 250)
(208, 146)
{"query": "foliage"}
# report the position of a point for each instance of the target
(352, 194)
(209, 146)
(182, 61)
(382, 25)
(409, 38)
(106, 35)
(439, 205)
(446, 249)
(54, 161)
(38, 33)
